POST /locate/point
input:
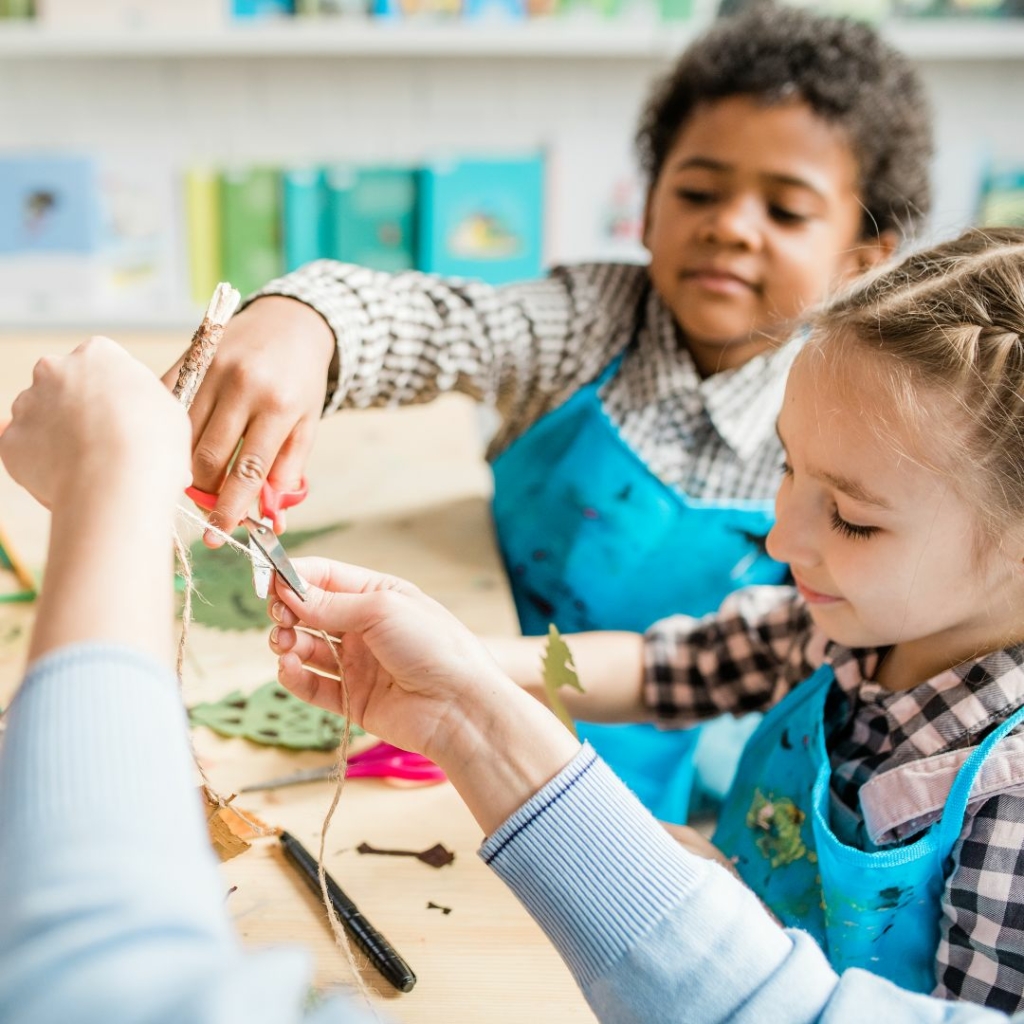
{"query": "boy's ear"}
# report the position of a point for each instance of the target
(872, 252)
(647, 217)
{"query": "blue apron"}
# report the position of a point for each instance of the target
(877, 909)
(592, 539)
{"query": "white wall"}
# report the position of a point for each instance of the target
(168, 112)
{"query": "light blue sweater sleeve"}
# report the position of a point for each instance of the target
(111, 905)
(112, 909)
(654, 934)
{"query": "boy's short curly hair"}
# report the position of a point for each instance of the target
(841, 68)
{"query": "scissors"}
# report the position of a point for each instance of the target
(269, 554)
(381, 761)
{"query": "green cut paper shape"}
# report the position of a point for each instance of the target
(272, 716)
(559, 671)
(225, 598)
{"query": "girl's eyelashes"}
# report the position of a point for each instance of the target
(787, 469)
(853, 530)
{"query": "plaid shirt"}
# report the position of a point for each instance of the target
(763, 643)
(527, 348)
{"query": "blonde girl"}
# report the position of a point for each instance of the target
(880, 804)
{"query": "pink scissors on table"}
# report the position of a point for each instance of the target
(381, 761)
(270, 556)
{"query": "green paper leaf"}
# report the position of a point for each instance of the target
(225, 598)
(272, 716)
(559, 671)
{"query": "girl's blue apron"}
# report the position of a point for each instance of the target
(592, 539)
(794, 845)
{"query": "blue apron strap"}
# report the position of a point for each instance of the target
(610, 370)
(952, 821)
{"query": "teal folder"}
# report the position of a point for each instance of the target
(483, 219)
(372, 216)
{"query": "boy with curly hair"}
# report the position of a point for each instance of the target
(637, 459)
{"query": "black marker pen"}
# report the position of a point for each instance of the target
(381, 953)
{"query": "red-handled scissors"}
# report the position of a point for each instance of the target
(269, 554)
(382, 761)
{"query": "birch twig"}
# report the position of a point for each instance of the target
(204, 343)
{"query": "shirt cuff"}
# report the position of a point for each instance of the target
(591, 865)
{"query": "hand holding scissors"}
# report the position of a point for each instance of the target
(268, 554)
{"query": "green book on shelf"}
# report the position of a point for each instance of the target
(372, 216)
(17, 9)
(202, 217)
(250, 204)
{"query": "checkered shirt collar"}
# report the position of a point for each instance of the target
(949, 711)
(742, 404)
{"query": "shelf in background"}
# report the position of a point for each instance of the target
(948, 40)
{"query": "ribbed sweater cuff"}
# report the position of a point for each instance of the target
(584, 850)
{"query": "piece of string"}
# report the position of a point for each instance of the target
(338, 775)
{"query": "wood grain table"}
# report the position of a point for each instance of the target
(412, 489)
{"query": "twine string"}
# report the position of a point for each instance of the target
(338, 775)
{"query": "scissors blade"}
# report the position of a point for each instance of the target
(306, 775)
(266, 540)
(262, 570)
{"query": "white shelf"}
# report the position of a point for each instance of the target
(356, 38)
(954, 39)
(951, 40)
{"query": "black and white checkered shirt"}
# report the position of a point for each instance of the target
(526, 348)
(762, 643)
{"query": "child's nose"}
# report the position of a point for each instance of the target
(791, 539)
(736, 220)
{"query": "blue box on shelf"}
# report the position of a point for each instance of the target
(483, 218)
(49, 204)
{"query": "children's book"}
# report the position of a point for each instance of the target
(203, 232)
(17, 9)
(1002, 199)
(251, 252)
(261, 8)
(372, 216)
(141, 243)
(49, 234)
(305, 224)
(48, 204)
(417, 8)
(357, 8)
(483, 218)
(495, 10)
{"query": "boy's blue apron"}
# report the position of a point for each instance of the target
(592, 539)
(876, 909)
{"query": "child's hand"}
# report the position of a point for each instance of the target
(96, 422)
(266, 387)
(416, 676)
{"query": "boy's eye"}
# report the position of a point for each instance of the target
(787, 469)
(786, 216)
(848, 529)
(696, 196)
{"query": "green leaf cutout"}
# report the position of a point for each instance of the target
(225, 598)
(273, 716)
(559, 671)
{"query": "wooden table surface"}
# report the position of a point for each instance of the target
(413, 489)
